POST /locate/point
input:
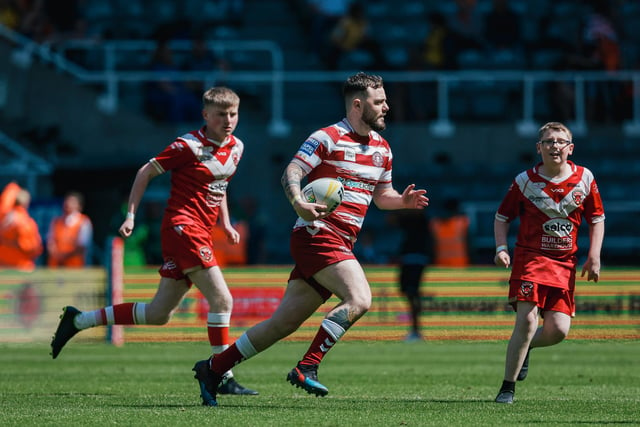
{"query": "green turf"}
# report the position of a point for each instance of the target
(370, 384)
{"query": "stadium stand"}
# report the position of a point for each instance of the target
(99, 145)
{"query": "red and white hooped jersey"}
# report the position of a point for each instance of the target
(360, 162)
(200, 173)
(551, 211)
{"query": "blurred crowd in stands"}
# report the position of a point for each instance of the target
(370, 35)
(337, 35)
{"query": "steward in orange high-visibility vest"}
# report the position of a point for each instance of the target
(69, 235)
(451, 238)
(20, 240)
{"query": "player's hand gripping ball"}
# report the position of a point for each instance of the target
(327, 191)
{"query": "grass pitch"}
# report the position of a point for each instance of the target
(370, 384)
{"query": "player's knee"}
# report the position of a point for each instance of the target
(559, 334)
(527, 326)
(360, 305)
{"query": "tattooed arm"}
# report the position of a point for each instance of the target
(291, 179)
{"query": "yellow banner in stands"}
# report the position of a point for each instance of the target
(31, 302)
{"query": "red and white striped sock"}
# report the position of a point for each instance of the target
(218, 332)
(128, 313)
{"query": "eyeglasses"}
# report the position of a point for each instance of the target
(560, 142)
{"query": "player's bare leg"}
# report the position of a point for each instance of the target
(299, 302)
(554, 329)
(348, 282)
(158, 312)
(213, 287)
(524, 329)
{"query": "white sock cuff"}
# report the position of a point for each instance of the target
(219, 320)
(217, 349)
(140, 313)
(336, 331)
(245, 347)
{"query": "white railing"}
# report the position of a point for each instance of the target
(18, 161)
(276, 77)
(111, 78)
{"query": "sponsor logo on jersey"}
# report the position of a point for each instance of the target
(526, 289)
(557, 235)
(204, 154)
(557, 190)
(350, 155)
(218, 186)
(539, 185)
(577, 196)
(309, 146)
(535, 199)
(357, 184)
(205, 253)
(558, 227)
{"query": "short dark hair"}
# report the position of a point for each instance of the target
(359, 82)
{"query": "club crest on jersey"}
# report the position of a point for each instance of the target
(526, 289)
(377, 159)
(205, 253)
(235, 158)
(578, 197)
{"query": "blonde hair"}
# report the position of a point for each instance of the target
(554, 126)
(220, 96)
(23, 198)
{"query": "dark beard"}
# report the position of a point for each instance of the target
(369, 118)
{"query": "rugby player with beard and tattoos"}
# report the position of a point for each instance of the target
(321, 243)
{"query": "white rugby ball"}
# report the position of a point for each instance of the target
(326, 191)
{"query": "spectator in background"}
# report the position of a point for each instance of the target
(435, 52)
(258, 225)
(323, 17)
(202, 58)
(166, 99)
(451, 236)
(352, 32)
(416, 252)
(9, 14)
(134, 245)
(366, 250)
(467, 26)
(502, 26)
(603, 46)
(597, 49)
(70, 235)
(20, 240)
